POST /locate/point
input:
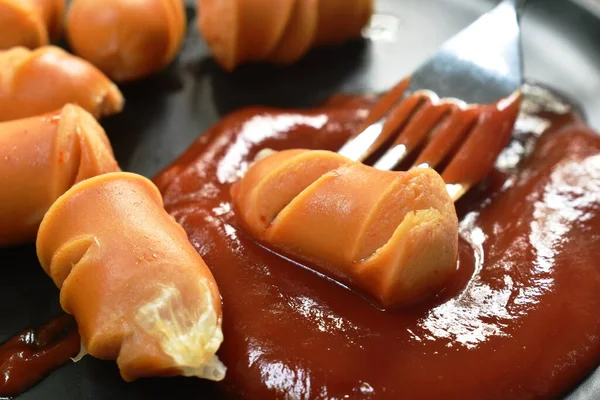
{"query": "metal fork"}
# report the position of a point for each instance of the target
(449, 103)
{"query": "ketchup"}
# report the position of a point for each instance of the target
(520, 319)
(34, 353)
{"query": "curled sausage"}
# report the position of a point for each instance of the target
(127, 40)
(30, 23)
(138, 289)
(341, 20)
(281, 32)
(34, 82)
(41, 158)
(393, 235)
(52, 12)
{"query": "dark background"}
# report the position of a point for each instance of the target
(165, 113)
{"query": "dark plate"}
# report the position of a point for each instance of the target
(166, 113)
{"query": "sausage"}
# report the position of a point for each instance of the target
(42, 157)
(390, 234)
(34, 82)
(280, 32)
(138, 289)
(30, 23)
(127, 40)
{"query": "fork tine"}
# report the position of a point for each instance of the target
(362, 144)
(398, 118)
(385, 104)
(477, 155)
(447, 135)
(417, 129)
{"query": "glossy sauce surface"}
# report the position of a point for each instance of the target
(519, 320)
(34, 353)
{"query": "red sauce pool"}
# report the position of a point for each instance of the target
(520, 320)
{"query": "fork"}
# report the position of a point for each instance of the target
(459, 107)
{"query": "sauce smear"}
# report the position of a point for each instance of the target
(34, 353)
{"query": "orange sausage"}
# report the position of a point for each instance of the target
(393, 235)
(299, 33)
(341, 20)
(34, 82)
(138, 289)
(30, 23)
(281, 32)
(127, 40)
(240, 31)
(42, 157)
(52, 12)
(21, 24)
